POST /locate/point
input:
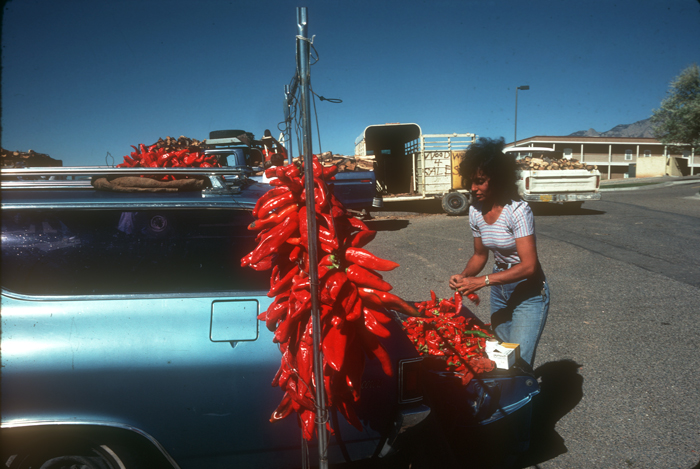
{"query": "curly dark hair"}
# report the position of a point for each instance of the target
(487, 155)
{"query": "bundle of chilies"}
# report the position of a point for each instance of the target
(441, 331)
(354, 299)
(160, 157)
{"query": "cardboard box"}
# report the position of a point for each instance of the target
(504, 355)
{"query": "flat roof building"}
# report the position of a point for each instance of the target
(618, 157)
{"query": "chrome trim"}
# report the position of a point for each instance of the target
(223, 204)
(105, 170)
(122, 426)
(136, 296)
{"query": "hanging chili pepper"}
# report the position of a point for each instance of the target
(389, 300)
(365, 258)
(364, 278)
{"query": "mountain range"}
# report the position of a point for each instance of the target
(638, 129)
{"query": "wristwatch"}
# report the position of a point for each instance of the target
(486, 281)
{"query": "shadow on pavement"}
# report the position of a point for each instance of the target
(491, 447)
(544, 209)
(561, 389)
(417, 206)
(386, 225)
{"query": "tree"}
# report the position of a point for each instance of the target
(677, 122)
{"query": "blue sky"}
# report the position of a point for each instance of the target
(83, 78)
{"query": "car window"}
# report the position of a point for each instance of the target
(89, 252)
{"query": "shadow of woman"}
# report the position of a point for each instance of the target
(561, 389)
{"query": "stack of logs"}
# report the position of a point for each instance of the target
(26, 159)
(544, 163)
(346, 163)
(174, 144)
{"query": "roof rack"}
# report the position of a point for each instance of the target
(79, 177)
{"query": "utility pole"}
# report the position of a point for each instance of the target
(524, 87)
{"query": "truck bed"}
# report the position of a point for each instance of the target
(559, 185)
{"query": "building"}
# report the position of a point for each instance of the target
(620, 157)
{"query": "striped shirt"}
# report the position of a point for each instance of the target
(515, 221)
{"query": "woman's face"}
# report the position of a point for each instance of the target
(481, 189)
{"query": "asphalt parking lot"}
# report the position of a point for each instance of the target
(618, 359)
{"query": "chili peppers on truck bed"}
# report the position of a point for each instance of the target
(155, 156)
(441, 332)
(353, 297)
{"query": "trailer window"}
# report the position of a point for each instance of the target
(83, 252)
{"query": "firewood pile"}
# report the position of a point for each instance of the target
(346, 163)
(545, 163)
(26, 159)
(174, 144)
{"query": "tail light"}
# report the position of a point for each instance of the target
(410, 388)
(527, 183)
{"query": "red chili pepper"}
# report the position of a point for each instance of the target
(267, 196)
(358, 224)
(284, 281)
(274, 239)
(276, 311)
(474, 298)
(292, 171)
(295, 254)
(317, 168)
(334, 343)
(364, 278)
(389, 300)
(373, 325)
(276, 203)
(335, 283)
(375, 349)
(330, 171)
(274, 218)
(283, 409)
(361, 238)
(366, 259)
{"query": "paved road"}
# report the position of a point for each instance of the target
(625, 280)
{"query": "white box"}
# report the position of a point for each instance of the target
(504, 355)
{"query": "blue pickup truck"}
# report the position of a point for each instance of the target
(238, 149)
(130, 339)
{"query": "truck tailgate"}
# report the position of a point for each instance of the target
(559, 181)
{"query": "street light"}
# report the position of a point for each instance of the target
(524, 87)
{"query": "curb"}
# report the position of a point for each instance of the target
(648, 185)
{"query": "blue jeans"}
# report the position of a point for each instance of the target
(519, 312)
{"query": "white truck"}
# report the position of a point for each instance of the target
(569, 186)
(410, 165)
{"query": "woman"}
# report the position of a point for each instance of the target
(502, 223)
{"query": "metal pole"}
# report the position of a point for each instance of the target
(515, 133)
(524, 87)
(303, 72)
(288, 122)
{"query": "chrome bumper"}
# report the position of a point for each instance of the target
(561, 197)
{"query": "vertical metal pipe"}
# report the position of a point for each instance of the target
(303, 72)
(515, 133)
(288, 122)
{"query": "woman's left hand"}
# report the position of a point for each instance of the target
(466, 285)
